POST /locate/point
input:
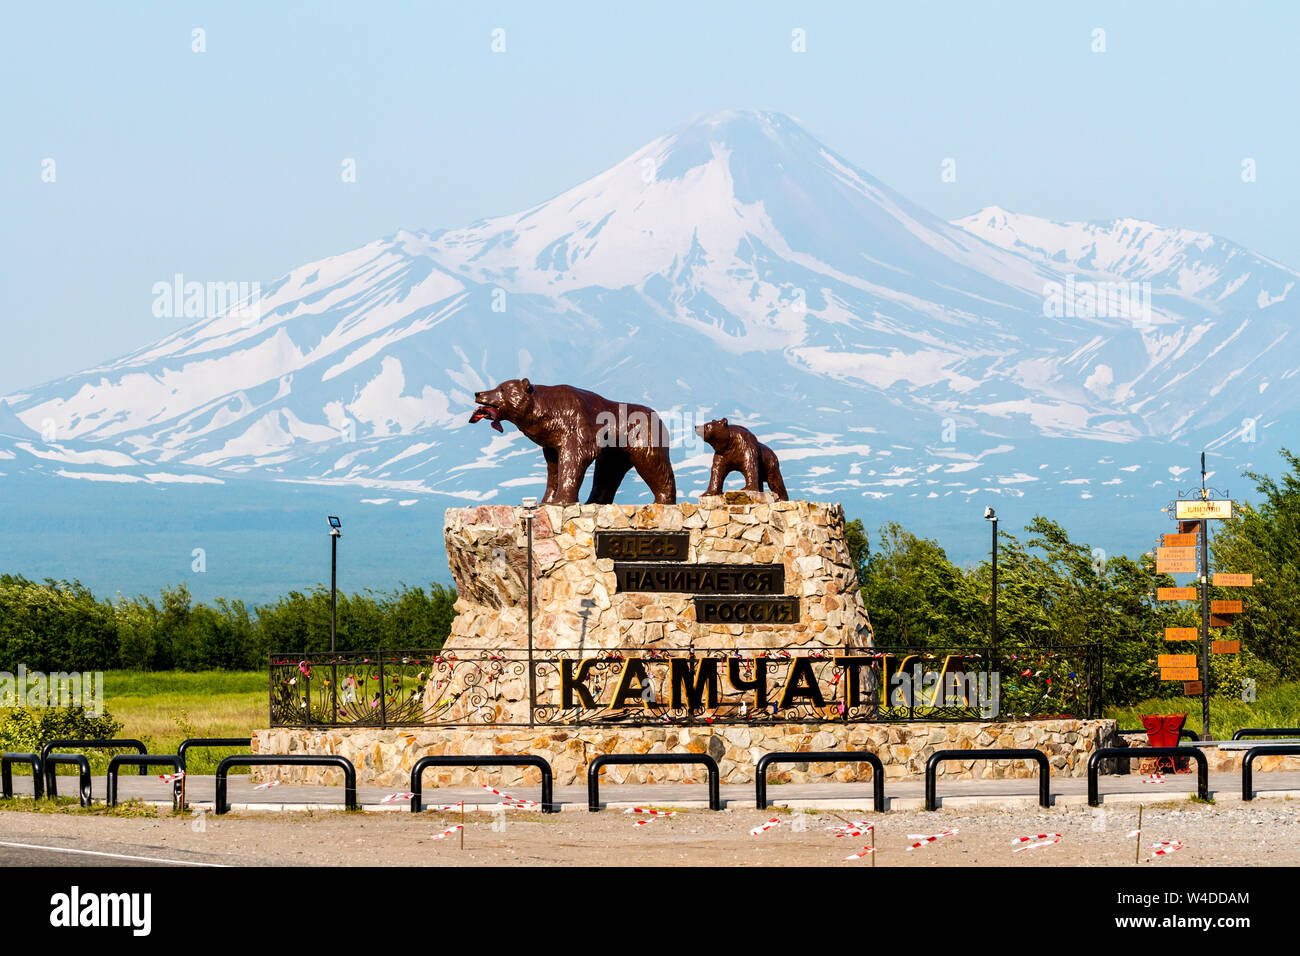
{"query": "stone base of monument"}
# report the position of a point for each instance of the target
(606, 576)
(385, 757)
(733, 627)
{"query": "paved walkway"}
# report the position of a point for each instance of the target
(900, 795)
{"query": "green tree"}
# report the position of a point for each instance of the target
(1264, 540)
(915, 595)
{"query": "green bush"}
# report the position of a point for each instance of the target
(26, 729)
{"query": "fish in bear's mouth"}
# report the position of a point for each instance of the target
(491, 414)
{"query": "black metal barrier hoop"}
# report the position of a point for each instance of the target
(116, 743)
(1266, 732)
(821, 756)
(52, 780)
(593, 773)
(1263, 750)
(7, 778)
(942, 756)
(1128, 753)
(143, 761)
(481, 760)
(288, 760)
(204, 742)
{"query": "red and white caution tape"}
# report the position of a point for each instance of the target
(447, 832)
(512, 802)
(395, 797)
(1154, 778)
(764, 827)
(1035, 846)
(268, 785)
(1132, 833)
(1041, 836)
(448, 808)
(650, 814)
(1165, 847)
(172, 777)
(852, 829)
(866, 851)
(926, 840)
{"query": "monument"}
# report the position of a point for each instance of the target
(734, 626)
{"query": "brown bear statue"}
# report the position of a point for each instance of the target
(576, 428)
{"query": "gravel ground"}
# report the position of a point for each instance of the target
(1266, 832)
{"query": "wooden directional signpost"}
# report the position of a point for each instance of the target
(1187, 552)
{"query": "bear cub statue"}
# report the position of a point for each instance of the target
(736, 449)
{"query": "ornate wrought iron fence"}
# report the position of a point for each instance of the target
(643, 686)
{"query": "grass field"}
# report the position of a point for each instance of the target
(163, 708)
(1274, 706)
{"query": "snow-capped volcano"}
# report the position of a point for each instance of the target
(737, 190)
(734, 266)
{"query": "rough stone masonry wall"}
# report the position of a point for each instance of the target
(385, 757)
(575, 601)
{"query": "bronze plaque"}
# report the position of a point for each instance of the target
(1220, 620)
(700, 578)
(1225, 647)
(1192, 688)
(773, 609)
(643, 545)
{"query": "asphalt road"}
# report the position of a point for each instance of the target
(111, 853)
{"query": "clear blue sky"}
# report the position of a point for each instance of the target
(225, 165)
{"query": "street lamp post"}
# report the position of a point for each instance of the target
(990, 515)
(336, 532)
(529, 505)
